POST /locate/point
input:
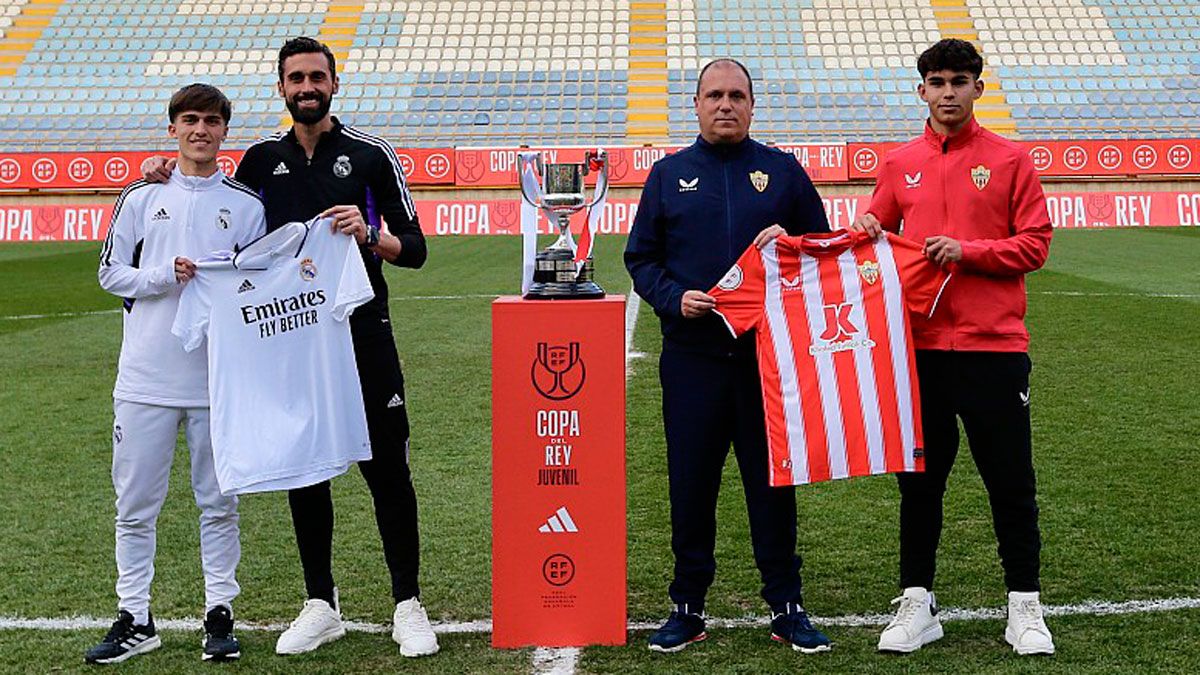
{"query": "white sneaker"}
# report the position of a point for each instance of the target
(411, 629)
(317, 624)
(916, 623)
(1027, 631)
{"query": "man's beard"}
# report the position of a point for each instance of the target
(309, 115)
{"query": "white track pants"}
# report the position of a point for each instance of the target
(143, 448)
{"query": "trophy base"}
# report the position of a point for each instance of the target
(557, 290)
(555, 278)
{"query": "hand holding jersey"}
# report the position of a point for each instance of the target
(287, 407)
(830, 313)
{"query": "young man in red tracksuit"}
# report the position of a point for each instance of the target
(973, 199)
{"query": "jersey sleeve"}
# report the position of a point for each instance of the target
(121, 271)
(921, 279)
(354, 287)
(195, 308)
(741, 292)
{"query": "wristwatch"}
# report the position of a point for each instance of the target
(372, 239)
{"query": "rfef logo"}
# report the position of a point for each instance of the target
(558, 371)
(865, 160)
(558, 569)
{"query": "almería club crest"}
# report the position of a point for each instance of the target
(980, 175)
(869, 271)
(759, 180)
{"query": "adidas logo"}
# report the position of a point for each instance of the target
(161, 215)
(559, 522)
(396, 401)
(246, 286)
(281, 169)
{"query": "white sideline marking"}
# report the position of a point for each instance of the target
(1087, 294)
(59, 315)
(1090, 608)
(633, 303)
(555, 661)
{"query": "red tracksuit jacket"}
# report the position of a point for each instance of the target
(982, 190)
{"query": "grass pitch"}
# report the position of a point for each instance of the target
(1115, 318)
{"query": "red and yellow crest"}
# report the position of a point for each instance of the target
(980, 175)
(869, 271)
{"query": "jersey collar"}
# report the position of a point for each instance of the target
(724, 150)
(197, 183)
(947, 143)
(336, 130)
(820, 244)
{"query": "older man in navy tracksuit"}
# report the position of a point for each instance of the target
(700, 209)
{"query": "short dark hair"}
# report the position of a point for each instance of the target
(710, 64)
(950, 54)
(201, 98)
(305, 45)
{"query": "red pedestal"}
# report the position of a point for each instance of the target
(558, 472)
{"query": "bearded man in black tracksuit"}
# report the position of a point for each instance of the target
(700, 209)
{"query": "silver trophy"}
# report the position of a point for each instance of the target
(555, 272)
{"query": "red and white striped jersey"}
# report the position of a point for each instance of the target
(835, 350)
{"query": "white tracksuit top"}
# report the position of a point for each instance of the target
(152, 224)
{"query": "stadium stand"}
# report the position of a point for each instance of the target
(93, 74)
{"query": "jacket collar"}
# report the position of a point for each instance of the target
(725, 150)
(335, 131)
(196, 183)
(946, 143)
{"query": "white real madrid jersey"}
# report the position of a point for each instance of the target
(152, 224)
(287, 408)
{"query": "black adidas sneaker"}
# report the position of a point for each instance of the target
(124, 640)
(219, 642)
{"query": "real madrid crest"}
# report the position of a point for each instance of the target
(759, 180)
(342, 168)
(308, 271)
(980, 176)
(224, 218)
(869, 271)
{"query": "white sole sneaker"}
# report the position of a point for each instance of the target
(931, 634)
(1026, 651)
(321, 639)
(147, 645)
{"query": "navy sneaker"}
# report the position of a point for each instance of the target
(793, 627)
(219, 642)
(681, 629)
(124, 640)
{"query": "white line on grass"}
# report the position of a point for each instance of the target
(1089, 294)
(58, 315)
(632, 304)
(1090, 608)
(547, 661)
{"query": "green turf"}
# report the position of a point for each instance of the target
(1114, 436)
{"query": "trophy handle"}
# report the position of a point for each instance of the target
(537, 163)
(596, 160)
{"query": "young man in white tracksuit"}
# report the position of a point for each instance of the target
(157, 231)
